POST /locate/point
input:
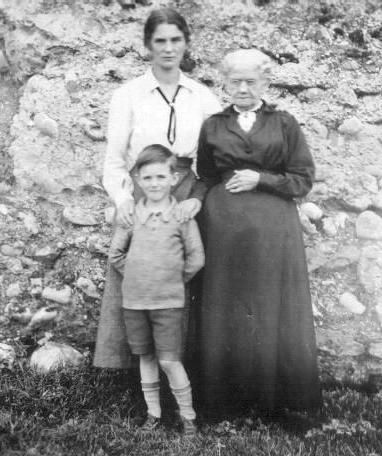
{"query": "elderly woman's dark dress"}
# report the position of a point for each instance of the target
(256, 335)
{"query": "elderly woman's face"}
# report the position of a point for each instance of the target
(246, 86)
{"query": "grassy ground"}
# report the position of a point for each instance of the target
(92, 412)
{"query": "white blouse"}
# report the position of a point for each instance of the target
(139, 116)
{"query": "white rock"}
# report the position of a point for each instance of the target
(351, 303)
(307, 225)
(375, 349)
(377, 200)
(78, 216)
(312, 211)
(351, 127)
(30, 222)
(369, 226)
(374, 170)
(53, 355)
(62, 296)
(346, 95)
(4, 209)
(13, 290)
(358, 204)
(369, 269)
(46, 125)
(14, 265)
(42, 317)
(36, 286)
(22, 317)
(7, 355)
(88, 287)
(330, 227)
(109, 214)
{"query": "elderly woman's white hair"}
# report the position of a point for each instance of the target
(247, 58)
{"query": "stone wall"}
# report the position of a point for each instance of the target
(327, 72)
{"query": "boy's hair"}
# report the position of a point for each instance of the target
(155, 153)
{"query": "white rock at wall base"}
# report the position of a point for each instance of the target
(346, 256)
(330, 227)
(13, 290)
(369, 226)
(78, 216)
(307, 225)
(42, 317)
(62, 296)
(375, 349)
(359, 204)
(88, 287)
(7, 355)
(351, 303)
(53, 355)
(312, 211)
(351, 127)
(369, 269)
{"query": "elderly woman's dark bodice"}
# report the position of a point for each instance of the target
(275, 147)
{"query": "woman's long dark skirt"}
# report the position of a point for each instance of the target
(255, 326)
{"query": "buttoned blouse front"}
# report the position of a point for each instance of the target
(138, 108)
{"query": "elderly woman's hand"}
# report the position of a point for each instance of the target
(243, 180)
(187, 209)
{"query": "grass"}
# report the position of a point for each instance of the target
(93, 413)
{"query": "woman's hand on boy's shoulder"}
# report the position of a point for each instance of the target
(187, 209)
(125, 212)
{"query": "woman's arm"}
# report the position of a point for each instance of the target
(116, 178)
(205, 165)
(297, 179)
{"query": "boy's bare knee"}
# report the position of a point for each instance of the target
(167, 365)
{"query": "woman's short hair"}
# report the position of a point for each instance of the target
(164, 16)
(248, 57)
(155, 153)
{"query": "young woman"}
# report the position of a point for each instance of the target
(162, 106)
(257, 343)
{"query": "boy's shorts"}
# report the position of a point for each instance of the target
(157, 331)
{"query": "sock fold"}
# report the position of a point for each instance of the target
(183, 398)
(151, 395)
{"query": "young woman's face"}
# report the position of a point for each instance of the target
(167, 46)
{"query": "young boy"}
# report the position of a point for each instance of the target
(156, 256)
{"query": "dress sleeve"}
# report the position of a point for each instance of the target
(116, 179)
(119, 247)
(205, 166)
(296, 180)
(210, 103)
(193, 249)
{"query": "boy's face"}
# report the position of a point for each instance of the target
(156, 180)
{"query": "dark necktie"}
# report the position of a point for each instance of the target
(171, 130)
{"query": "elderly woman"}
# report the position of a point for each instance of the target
(257, 343)
(162, 106)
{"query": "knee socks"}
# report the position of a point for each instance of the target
(151, 395)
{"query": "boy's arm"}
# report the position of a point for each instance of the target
(193, 249)
(119, 247)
